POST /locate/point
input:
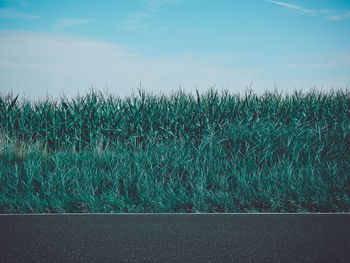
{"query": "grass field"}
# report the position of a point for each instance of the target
(210, 152)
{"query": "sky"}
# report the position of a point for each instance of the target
(54, 48)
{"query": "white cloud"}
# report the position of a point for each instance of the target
(11, 13)
(306, 65)
(339, 17)
(68, 21)
(327, 61)
(312, 11)
(299, 8)
(36, 63)
(134, 22)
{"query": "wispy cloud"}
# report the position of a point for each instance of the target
(12, 13)
(135, 21)
(155, 5)
(68, 21)
(336, 14)
(299, 8)
(339, 17)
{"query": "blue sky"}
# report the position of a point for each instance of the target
(53, 47)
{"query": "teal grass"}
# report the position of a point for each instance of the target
(211, 152)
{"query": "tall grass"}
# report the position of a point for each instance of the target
(211, 152)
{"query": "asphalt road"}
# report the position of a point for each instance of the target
(175, 238)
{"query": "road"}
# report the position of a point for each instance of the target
(175, 238)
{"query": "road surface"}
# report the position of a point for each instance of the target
(175, 238)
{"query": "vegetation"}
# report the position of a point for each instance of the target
(212, 152)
